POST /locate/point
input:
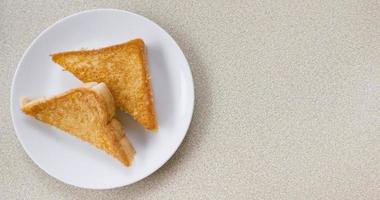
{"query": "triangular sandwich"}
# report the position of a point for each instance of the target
(124, 69)
(87, 112)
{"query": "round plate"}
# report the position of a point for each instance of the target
(78, 163)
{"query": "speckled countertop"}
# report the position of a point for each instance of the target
(287, 100)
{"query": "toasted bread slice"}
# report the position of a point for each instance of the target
(123, 68)
(88, 113)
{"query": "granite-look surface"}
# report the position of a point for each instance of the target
(287, 100)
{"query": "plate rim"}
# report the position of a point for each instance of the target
(190, 83)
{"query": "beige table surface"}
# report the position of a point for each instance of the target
(287, 100)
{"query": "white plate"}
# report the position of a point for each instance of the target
(78, 163)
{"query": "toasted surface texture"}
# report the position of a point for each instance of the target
(124, 69)
(88, 113)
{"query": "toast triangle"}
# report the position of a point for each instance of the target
(87, 112)
(123, 68)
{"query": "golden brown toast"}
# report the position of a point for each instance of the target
(123, 68)
(88, 113)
